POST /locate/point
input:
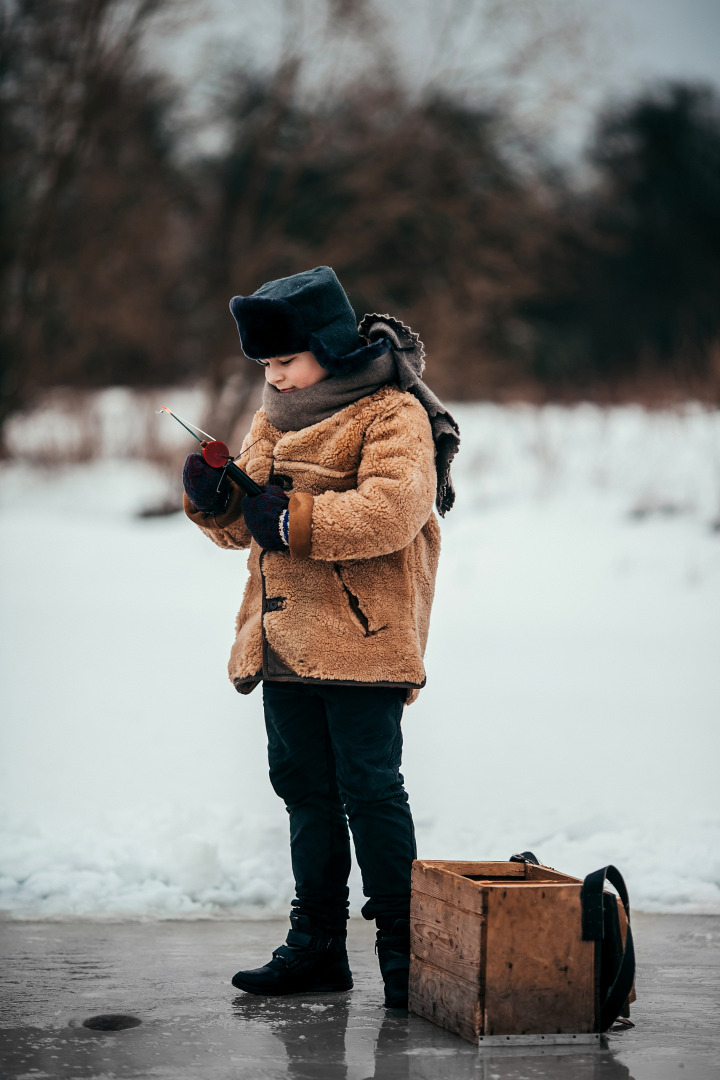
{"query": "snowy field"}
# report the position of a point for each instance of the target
(573, 692)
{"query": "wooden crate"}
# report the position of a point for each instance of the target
(496, 949)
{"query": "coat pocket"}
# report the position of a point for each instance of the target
(359, 613)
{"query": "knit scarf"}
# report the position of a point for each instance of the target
(396, 355)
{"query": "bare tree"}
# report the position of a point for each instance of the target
(85, 175)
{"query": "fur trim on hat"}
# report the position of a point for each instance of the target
(268, 327)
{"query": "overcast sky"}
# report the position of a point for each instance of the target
(650, 40)
(633, 42)
(678, 38)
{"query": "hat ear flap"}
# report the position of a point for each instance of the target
(342, 365)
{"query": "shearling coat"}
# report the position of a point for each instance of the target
(350, 601)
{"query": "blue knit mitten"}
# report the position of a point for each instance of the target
(207, 489)
(266, 516)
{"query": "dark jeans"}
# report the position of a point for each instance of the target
(335, 755)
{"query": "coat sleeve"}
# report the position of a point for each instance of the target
(394, 496)
(228, 530)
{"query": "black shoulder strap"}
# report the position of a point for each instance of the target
(593, 929)
(524, 856)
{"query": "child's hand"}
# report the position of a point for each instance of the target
(206, 488)
(266, 517)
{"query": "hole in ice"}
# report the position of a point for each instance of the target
(111, 1022)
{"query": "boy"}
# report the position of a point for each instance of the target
(354, 450)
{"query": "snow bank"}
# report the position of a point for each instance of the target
(573, 677)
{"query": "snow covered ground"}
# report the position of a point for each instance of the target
(573, 691)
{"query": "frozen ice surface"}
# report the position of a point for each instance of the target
(573, 686)
(173, 978)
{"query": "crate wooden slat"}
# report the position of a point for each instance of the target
(447, 936)
(496, 949)
(445, 999)
(539, 973)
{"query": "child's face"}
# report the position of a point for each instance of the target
(296, 371)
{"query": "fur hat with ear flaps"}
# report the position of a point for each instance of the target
(309, 310)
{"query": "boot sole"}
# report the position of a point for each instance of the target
(326, 988)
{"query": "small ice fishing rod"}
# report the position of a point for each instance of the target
(216, 454)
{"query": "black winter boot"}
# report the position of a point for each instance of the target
(393, 949)
(310, 960)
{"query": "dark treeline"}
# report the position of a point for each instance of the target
(119, 255)
(631, 279)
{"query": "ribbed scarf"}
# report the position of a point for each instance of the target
(398, 357)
